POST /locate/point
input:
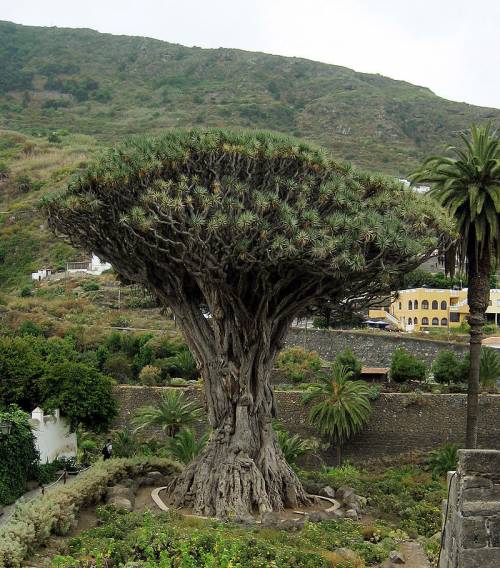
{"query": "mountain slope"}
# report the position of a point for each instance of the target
(109, 86)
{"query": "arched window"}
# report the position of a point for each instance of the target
(410, 305)
(415, 304)
(425, 321)
(435, 321)
(444, 321)
(415, 321)
(435, 304)
(425, 305)
(399, 305)
(444, 305)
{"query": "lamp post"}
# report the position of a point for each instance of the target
(5, 428)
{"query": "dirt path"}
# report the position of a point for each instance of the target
(414, 555)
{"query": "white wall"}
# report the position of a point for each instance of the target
(53, 437)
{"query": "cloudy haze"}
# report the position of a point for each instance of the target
(450, 46)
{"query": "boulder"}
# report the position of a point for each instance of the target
(343, 493)
(270, 519)
(351, 514)
(318, 516)
(327, 491)
(396, 557)
(145, 481)
(335, 514)
(155, 475)
(292, 524)
(244, 520)
(119, 491)
(132, 483)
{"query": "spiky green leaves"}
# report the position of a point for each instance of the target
(243, 198)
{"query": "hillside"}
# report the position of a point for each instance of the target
(109, 86)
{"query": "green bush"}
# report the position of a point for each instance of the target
(406, 367)
(21, 367)
(26, 291)
(349, 360)
(445, 459)
(82, 392)
(90, 286)
(298, 364)
(18, 456)
(33, 523)
(447, 368)
(150, 375)
(119, 367)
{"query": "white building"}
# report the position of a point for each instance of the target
(53, 437)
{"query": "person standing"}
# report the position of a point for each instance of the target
(107, 450)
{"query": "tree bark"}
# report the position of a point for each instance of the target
(478, 297)
(242, 469)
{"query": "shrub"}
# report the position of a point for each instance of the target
(292, 445)
(150, 375)
(21, 367)
(119, 367)
(298, 364)
(182, 365)
(120, 321)
(351, 362)
(32, 523)
(18, 456)
(90, 286)
(489, 367)
(445, 459)
(26, 291)
(406, 367)
(29, 327)
(4, 171)
(447, 368)
(184, 446)
(82, 393)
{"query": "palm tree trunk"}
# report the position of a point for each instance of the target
(478, 297)
(338, 451)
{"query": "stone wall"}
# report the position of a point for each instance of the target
(374, 349)
(471, 537)
(399, 422)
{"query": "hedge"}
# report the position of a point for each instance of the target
(34, 522)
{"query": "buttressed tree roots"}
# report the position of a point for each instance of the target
(253, 227)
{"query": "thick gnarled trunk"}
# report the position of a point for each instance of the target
(242, 469)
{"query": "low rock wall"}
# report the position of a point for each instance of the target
(400, 422)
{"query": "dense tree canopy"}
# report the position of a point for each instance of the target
(253, 227)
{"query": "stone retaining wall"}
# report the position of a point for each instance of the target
(374, 349)
(471, 537)
(399, 423)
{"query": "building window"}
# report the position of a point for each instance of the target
(498, 303)
(444, 321)
(454, 317)
(399, 305)
(435, 304)
(425, 305)
(415, 304)
(444, 305)
(410, 305)
(415, 321)
(435, 321)
(425, 321)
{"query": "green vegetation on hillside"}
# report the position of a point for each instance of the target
(109, 86)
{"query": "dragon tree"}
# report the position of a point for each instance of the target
(255, 228)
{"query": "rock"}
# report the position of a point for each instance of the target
(396, 557)
(146, 481)
(119, 491)
(132, 483)
(351, 514)
(292, 524)
(327, 491)
(343, 493)
(270, 519)
(121, 503)
(244, 520)
(318, 516)
(335, 514)
(155, 475)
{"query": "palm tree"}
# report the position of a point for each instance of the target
(292, 445)
(173, 412)
(467, 183)
(343, 406)
(184, 446)
(489, 367)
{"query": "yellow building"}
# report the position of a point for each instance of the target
(424, 308)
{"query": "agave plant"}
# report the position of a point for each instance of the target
(342, 408)
(184, 446)
(173, 412)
